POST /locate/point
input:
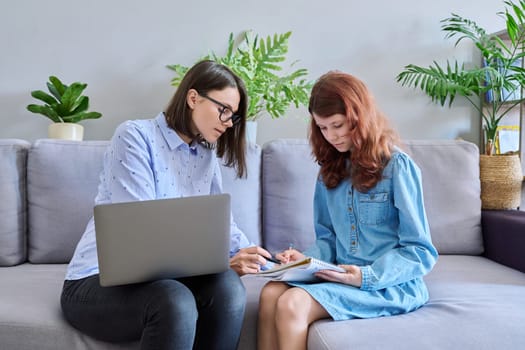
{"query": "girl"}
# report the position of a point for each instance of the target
(369, 218)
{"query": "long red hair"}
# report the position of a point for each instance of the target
(371, 137)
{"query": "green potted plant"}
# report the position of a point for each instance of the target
(65, 106)
(498, 74)
(501, 75)
(258, 62)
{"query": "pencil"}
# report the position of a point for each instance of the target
(272, 259)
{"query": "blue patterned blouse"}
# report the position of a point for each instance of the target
(148, 160)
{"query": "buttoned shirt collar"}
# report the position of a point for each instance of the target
(173, 139)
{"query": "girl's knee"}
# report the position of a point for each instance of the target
(272, 291)
(292, 304)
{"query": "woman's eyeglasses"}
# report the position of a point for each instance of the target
(225, 112)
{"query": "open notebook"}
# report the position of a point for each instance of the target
(299, 271)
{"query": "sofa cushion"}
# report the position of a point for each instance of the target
(451, 187)
(62, 181)
(288, 179)
(13, 207)
(246, 194)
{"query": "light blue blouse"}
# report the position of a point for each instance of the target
(385, 232)
(146, 160)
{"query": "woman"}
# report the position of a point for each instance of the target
(369, 218)
(171, 155)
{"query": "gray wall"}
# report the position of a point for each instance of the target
(121, 47)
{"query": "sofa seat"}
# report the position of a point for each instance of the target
(33, 312)
(468, 294)
(472, 300)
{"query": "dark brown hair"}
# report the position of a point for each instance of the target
(371, 137)
(204, 77)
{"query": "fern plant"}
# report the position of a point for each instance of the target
(257, 61)
(498, 76)
(64, 104)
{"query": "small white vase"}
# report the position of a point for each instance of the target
(66, 131)
(251, 131)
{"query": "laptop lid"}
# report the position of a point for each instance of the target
(165, 238)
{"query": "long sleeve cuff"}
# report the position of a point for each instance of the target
(368, 278)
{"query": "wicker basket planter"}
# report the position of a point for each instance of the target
(501, 180)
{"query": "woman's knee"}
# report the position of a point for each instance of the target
(171, 299)
(224, 280)
(229, 288)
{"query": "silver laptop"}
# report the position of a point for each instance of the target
(165, 238)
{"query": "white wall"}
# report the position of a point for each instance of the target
(121, 47)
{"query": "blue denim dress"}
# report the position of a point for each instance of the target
(385, 232)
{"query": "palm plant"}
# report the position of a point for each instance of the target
(257, 61)
(65, 104)
(498, 76)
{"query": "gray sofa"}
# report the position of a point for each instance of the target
(477, 288)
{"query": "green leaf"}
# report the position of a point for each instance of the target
(180, 72)
(54, 91)
(442, 84)
(46, 111)
(75, 118)
(57, 84)
(70, 96)
(43, 96)
(81, 105)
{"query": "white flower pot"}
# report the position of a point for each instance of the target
(66, 131)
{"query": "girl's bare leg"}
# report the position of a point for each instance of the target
(295, 311)
(266, 328)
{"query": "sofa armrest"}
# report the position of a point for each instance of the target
(504, 237)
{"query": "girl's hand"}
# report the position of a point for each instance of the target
(352, 276)
(249, 260)
(289, 255)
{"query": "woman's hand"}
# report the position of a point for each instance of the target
(289, 255)
(249, 260)
(352, 276)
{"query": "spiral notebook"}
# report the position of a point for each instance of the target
(299, 271)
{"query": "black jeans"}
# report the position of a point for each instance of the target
(201, 312)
